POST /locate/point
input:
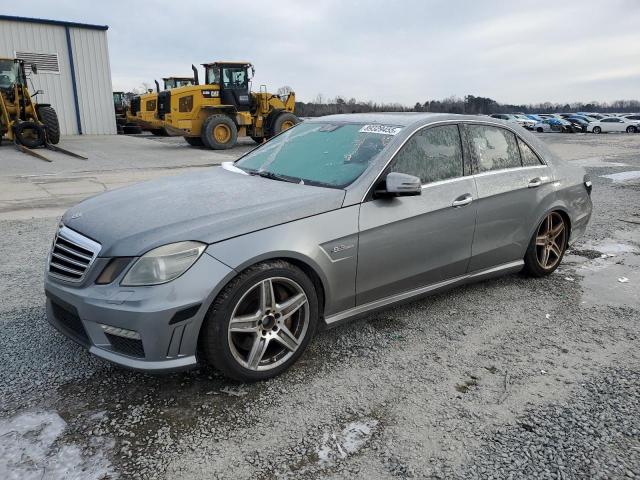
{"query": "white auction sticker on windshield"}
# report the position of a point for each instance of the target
(381, 129)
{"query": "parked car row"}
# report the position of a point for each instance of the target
(574, 122)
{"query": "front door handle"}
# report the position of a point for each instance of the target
(535, 182)
(463, 200)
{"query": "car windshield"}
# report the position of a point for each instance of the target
(8, 73)
(320, 153)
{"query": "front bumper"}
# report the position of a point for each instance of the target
(152, 329)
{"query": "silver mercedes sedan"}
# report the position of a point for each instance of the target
(237, 267)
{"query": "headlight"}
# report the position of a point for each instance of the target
(163, 264)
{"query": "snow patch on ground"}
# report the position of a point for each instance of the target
(29, 449)
(340, 445)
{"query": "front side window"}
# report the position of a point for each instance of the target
(320, 153)
(529, 157)
(432, 154)
(234, 77)
(494, 148)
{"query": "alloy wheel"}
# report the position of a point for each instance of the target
(268, 323)
(550, 240)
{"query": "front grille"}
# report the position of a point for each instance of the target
(68, 318)
(71, 255)
(126, 346)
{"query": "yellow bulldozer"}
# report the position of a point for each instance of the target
(214, 114)
(24, 122)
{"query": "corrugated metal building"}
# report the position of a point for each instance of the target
(73, 69)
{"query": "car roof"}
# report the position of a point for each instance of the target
(402, 119)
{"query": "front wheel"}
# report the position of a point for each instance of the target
(539, 130)
(597, 130)
(261, 322)
(49, 118)
(547, 246)
(285, 121)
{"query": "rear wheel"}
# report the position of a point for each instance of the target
(284, 122)
(547, 246)
(194, 141)
(597, 130)
(539, 130)
(49, 118)
(29, 134)
(219, 132)
(261, 322)
(631, 129)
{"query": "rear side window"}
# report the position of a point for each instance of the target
(432, 154)
(529, 158)
(494, 148)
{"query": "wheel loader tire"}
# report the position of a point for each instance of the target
(29, 134)
(194, 141)
(49, 117)
(132, 129)
(284, 121)
(219, 133)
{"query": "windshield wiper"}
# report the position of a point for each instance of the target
(274, 176)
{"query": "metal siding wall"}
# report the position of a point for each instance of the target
(93, 79)
(32, 37)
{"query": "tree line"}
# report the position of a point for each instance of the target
(469, 104)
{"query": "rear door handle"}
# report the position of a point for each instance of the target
(463, 200)
(535, 182)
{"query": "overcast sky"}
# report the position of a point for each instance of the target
(393, 51)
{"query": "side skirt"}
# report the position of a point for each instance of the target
(361, 310)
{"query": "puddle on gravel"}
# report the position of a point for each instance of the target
(610, 278)
(31, 447)
(623, 177)
(596, 162)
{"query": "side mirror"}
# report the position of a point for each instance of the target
(34, 69)
(400, 185)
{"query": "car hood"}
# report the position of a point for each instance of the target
(207, 206)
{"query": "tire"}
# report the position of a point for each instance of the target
(283, 122)
(132, 129)
(194, 141)
(49, 118)
(597, 130)
(541, 242)
(540, 130)
(631, 129)
(29, 134)
(231, 351)
(219, 132)
(258, 140)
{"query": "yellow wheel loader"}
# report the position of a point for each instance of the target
(26, 123)
(145, 107)
(213, 115)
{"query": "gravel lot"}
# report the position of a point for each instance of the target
(509, 378)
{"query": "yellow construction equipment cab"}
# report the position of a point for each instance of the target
(24, 122)
(216, 113)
